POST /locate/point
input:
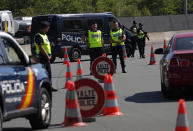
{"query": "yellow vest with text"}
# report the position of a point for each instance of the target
(116, 36)
(141, 34)
(46, 44)
(94, 38)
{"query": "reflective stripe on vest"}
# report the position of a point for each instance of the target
(46, 44)
(141, 34)
(94, 38)
(116, 36)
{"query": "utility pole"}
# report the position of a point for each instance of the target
(185, 7)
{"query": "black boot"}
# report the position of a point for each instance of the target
(143, 56)
(123, 70)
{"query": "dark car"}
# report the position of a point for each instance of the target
(176, 66)
(24, 87)
(66, 30)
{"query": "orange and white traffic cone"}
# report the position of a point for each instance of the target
(152, 57)
(182, 119)
(104, 55)
(79, 72)
(72, 112)
(124, 52)
(66, 59)
(165, 46)
(68, 73)
(111, 107)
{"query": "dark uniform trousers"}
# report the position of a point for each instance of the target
(94, 53)
(117, 50)
(47, 66)
(141, 46)
(134, 44)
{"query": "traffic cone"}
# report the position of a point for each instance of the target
(66, 59)
(165, 46)
(72, 112)
(182, 119)
(68, 73)
(79, 72)
(124, 52)
(152, 57)
(104, 55)
(105, 81)
(111, 107)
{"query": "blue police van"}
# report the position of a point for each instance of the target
(66, 30)
(25, 89)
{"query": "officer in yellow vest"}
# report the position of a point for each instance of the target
(117, 38)
(94, 41)
(134, 38)
(142, 35)
(43, 48)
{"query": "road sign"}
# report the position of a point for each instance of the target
(91, 97)
(101, 66)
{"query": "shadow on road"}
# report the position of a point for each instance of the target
(148, 97)
(17, 129)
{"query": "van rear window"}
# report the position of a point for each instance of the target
(72, 25)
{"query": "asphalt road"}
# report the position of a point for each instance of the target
(138, 94)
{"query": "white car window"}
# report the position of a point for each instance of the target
(12, 55)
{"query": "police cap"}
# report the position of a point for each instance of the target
(93, 23)
(44, 24)
(140, 24)
(134, 22)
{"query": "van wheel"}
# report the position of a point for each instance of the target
(1, 120)
(53, 59)
(75, 54)
(41, 120)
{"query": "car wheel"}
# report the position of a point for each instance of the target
(1, 120)
(53, 59)
(41, 120)
(75, 54)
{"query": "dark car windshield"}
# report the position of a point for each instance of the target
(184, 43)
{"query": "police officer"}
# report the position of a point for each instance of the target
(117, 38)
(142, 35)
(134, 38)
(94, 41)
(43, 48)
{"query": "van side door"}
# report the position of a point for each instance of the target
(72, 31)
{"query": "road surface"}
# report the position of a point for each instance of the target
(138, 94)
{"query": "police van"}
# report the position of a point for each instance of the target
(7, 23)
(66, 30)
(25, 89)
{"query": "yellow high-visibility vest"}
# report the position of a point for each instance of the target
(117, 36)
(46, 44)
(134, 32)
(141, 34)
(94, 38)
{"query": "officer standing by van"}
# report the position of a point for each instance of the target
(134, 38)
(94, 40)
(142, 35)
(117, 38)
(43, 48)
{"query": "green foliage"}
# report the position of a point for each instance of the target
(121, 8)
